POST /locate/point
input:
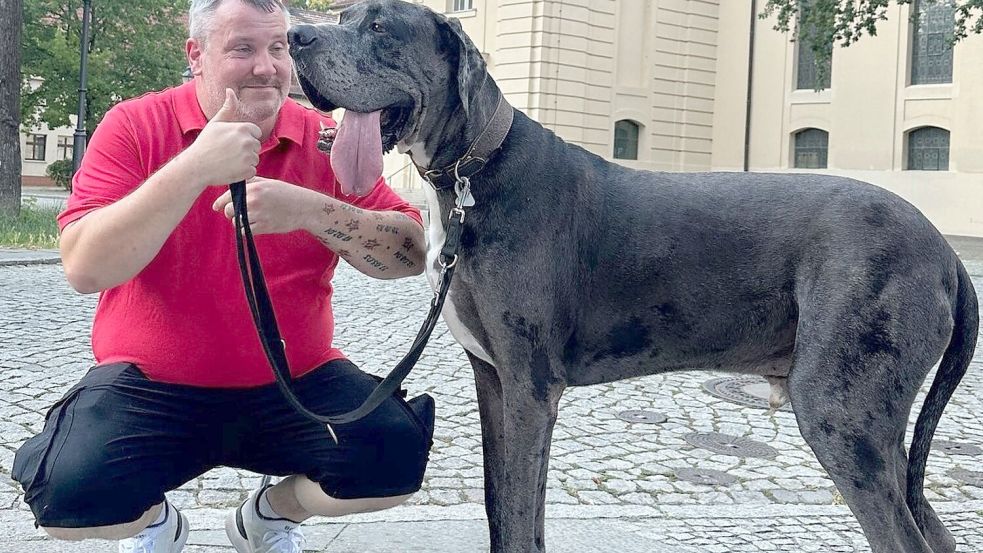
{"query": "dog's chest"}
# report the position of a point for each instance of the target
(435, 241)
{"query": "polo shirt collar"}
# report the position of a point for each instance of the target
(289, 122)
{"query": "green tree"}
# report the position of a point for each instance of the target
(822, 24)
(317, 5)
(136, 46)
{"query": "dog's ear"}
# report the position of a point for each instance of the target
(471, 69)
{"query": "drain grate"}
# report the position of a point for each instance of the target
(707, 477)
(748, 390)
(648, 417)
(970, 477)
(956, 448)
(731, 445)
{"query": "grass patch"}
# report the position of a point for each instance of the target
(35, 228)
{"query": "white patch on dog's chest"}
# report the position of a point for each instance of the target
(435, 241)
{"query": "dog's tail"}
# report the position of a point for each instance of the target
(954, 363)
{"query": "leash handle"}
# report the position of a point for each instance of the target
(261, 308)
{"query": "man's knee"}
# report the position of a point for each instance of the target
(110, 532)
(316, 501)
(81, 497)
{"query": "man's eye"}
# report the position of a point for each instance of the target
(376, 28)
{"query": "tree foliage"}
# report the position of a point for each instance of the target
(136, 46)
(822, 24)
(829, 22)
(317, 5)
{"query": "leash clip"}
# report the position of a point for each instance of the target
(462, 189)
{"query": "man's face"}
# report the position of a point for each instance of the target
(246, 50)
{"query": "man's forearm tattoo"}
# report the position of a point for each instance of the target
(376, 264)
(404, 260)
(335, 233)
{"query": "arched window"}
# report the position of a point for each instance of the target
(931, 52)
(626, 139)
(811, 149)
(928, 149)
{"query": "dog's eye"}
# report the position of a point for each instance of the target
(376, 28)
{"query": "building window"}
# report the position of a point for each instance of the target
(928, 149)
(65, 147)
(811, 149)
(35, 147)
(460, 5)
(931, 48)
(626, 139)
(808, 75)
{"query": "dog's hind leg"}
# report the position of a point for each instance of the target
(936, 534)
(860, 452)
(857, 368)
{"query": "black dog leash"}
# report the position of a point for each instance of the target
(269, 334)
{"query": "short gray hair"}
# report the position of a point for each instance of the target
(201, 12)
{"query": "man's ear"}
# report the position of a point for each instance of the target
(471, 69)
(192, 49)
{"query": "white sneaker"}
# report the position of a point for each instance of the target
(251, 532)
(168, 536)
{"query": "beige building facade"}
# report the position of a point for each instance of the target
(677, 72)
(664, 85)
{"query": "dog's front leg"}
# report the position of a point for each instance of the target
(489, 390)
(518, 484)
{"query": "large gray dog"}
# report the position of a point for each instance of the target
(577, 271)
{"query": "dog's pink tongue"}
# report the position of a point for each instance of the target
(356, 156)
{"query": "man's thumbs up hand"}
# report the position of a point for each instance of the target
(227, 150)
(230, 109)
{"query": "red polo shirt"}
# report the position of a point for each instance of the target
(184, 317)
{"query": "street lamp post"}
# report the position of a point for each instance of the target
(80, 137)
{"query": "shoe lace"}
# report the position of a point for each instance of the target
(284, 540)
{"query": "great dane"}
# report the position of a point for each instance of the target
(576, 271)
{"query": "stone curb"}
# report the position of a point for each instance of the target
(10, 257)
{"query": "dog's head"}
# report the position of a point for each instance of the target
(394, 62)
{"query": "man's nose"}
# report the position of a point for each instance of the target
(264, 65)
(302, 36)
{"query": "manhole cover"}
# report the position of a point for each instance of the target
(956, 448)
(649, 417)
(731, 445)
(749, 390)
(970, 477)
(708, 477)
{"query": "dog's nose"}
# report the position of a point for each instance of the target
(302, 36)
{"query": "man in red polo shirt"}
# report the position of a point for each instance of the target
(181, 383)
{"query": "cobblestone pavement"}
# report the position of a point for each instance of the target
(602, 467)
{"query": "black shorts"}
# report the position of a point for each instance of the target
(117, 441)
